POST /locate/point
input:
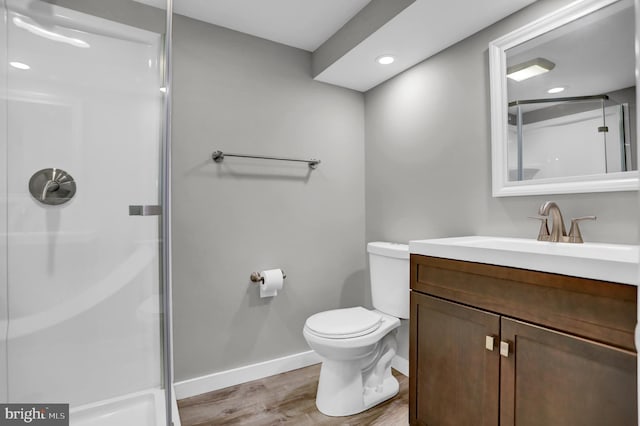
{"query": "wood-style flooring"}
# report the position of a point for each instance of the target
(287, 398)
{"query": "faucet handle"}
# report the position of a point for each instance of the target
(543, 233)
(574, 233)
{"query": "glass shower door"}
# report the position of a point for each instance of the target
(81, 294)
(4, 313)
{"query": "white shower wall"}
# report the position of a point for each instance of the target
(3, 210)
(570, 145)
(83, 277)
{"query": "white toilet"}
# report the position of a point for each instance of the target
(357, 345)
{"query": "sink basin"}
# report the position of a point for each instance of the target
(599, 261)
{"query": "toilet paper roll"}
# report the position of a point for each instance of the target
(272, 282)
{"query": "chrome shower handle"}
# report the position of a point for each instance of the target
(50, 186)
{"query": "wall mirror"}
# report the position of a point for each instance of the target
(563, 102)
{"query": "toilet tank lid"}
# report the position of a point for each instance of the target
(399, 251)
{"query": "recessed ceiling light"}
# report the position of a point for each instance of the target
(385, 59)
(556, 90)
(19, 65)
(529, 69)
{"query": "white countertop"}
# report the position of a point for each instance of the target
(599, 261)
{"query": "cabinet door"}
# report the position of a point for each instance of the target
(552, 378)
(454, 377)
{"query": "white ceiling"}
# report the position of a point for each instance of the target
(421, 30)
(304, 24)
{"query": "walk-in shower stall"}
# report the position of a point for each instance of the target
(572, 136)
(83, 153)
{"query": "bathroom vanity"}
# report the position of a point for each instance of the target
(495, 344)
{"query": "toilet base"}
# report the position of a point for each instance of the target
(390, 388)
(342, 393)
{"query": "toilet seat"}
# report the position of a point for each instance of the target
(344, 323)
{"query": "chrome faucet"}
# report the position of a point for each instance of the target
(558, 231)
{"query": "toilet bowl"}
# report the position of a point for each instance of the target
(356, 368)
(357, 345)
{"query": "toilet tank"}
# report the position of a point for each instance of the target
(389, 270)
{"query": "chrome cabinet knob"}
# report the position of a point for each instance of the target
(504, 349)
(489, 343)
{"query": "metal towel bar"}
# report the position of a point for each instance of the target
(218, 156)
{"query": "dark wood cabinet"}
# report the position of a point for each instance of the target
(494, 346)
(553, 378)
(456, 385)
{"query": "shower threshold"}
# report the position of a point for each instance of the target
(145, 408)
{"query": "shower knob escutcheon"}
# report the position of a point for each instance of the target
(52, 186)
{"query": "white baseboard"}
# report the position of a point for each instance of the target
(223, 379)
(400, 364)
(236, 376)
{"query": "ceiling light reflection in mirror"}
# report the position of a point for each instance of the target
(529, 69)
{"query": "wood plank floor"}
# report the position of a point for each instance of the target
(287, 398)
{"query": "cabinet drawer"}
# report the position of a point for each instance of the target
(598, 310)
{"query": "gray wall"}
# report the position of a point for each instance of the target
(427, 160)
(242, 94)
(428, 155)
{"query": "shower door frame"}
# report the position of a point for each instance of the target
(165, 200)
(165, 220)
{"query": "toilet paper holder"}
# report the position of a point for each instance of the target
(256, 277)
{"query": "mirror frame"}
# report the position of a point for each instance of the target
(502, 187)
